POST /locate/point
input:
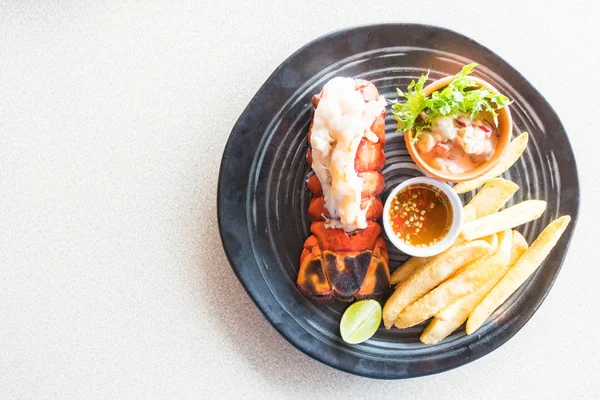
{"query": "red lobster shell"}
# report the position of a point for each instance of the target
(341, 265)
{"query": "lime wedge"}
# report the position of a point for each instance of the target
(360, 321)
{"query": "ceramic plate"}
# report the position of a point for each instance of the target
(262, 200)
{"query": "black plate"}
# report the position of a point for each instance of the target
(262, 202)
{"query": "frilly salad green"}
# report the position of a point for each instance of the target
(461, 96)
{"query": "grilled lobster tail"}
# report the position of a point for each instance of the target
(347, 265)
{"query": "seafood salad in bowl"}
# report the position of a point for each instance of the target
(456, 128)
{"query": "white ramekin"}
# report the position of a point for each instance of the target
(451, 236)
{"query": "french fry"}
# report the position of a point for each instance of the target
(494, 194)
(407, 269)
(492, 240)
(506, 219)
(518, 273)
(431, 274)
(469, 213)
(437, 330)
(413, 263)
(454, 315)
(519, 245)
(513, 152)
(466, 281)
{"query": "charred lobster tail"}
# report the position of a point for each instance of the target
(338, 261)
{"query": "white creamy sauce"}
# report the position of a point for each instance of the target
(341, 120)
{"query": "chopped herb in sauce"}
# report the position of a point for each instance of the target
(420, 215)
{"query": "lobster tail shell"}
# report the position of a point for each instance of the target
(343, 274)
(341, 265)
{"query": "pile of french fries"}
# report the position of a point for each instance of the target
(488, 262)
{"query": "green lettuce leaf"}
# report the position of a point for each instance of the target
(460, 96)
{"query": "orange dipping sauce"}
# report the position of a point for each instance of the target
(421, 215)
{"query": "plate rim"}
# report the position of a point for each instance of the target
(228, 250)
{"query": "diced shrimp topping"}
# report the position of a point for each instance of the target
(444, 127)
(426, 142)
(459, 144)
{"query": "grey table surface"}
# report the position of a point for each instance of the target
(113, 119)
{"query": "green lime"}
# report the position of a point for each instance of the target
(360, 321)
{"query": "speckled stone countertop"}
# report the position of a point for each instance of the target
(113, 119)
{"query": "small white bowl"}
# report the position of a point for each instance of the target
(451, 236)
